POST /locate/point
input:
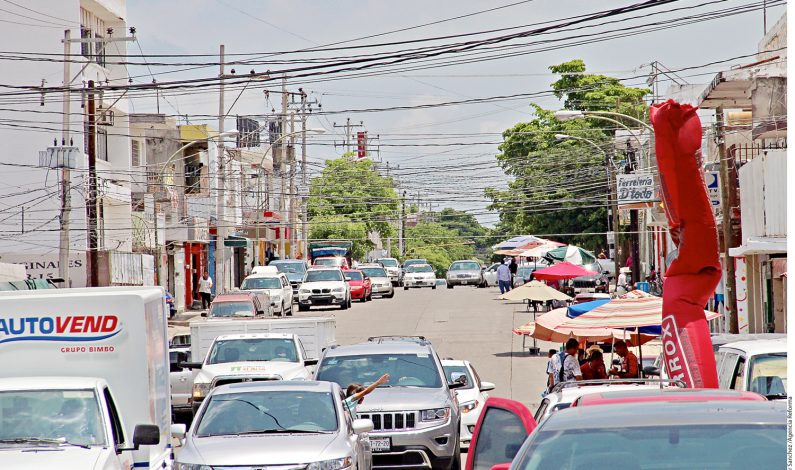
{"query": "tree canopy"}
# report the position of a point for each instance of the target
(438, 244)
(559, 187)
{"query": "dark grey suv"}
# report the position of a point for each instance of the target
(415, 415)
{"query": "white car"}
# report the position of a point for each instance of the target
(490, 275)
(470, 397)
(419, 275)
(276, 285)
(758, 366)
(392, 267)
(324, 286)
(379, 279)
(252, 357)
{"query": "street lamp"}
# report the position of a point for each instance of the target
(613, 195)
(316, 131)
(160, 177)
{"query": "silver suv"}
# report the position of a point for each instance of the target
(415, 415)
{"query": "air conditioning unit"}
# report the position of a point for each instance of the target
(105, 118)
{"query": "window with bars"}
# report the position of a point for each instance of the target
(102, 143)
(90, 26)
(135, 153)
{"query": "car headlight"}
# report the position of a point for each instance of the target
(191, 466)
(435, 414)
(303, 291)
(333, 464)
(469, 406)
(200, 390)
(338, 289)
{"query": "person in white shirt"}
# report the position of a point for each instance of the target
(504, 278)
(206, 289)
(565, 367)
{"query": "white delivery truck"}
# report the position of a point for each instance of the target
(84, 379)
(251, 350)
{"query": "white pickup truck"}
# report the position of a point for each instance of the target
(251, 350)
(84, 382)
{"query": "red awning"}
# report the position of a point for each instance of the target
(564, 270)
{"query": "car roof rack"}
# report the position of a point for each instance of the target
(398, 338)
(582, 383)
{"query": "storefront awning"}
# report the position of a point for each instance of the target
(760, 246)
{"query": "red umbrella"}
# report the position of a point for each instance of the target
(564, 270)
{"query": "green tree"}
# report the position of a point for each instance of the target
(339, 227)
(438, 244)
(356, 191)
(467, 227)
(560, 187)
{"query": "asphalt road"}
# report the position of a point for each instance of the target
(462, 323)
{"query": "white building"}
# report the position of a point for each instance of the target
(34, 116)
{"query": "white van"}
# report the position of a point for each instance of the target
(84, 379)
(758, 366)
(273, 287)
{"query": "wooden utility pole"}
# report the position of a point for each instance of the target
(91, 205)
(726, 198)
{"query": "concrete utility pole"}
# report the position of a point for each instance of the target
(726, 193)
(614, 209)
(66, 196)
(282, 170)
(348, 128)
(220, 222)
(304, 187)
(91, 204)
(293, 217)
(402, 227)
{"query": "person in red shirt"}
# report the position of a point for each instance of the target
(594, 368)
(629, 362)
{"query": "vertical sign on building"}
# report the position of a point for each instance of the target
(361, 143)
(713, 190)
(741, 280)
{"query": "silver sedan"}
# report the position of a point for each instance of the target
(382, 285)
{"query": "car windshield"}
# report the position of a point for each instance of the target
(409, 262)
(641, 447)
(769, 375)
(51, 417)
(267, 412)
(353, 276)
(457, 370)
(231, 309)
(465, 266)
(252, 350)
(419, 268)
(388, 263)
(329, 262)
(410, 370)
(289, 268)
(319, 275)
(374, 272)
(261, 283)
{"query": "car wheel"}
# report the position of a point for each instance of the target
(433, 287)
(303, 308)
(390, 295)
(456, 463)
(405, 288)
(344, 306)
(289, 308)
(449, 286)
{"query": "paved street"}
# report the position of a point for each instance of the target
(463, 323)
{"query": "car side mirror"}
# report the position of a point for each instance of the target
(459, 380)
(361, 426)
(310, 362)
(146, 435)
(486, 386)
(190, 365)
(178, 431)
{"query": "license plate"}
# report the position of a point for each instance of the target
(380, 444)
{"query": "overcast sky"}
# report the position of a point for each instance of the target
(246, 26)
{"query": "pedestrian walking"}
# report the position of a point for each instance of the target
(565, 367)
(504, 278)
(206, 289)
(550, 369)
(513, 267)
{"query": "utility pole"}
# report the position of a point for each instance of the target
(402, 227)
(348, 128)
(292, 206)
(66, 196)
(611, 175)
(282, 169)
(91, 204)
(220, 249)
(304, 200)
(726, 193)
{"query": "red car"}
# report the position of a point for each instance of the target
(361, 286)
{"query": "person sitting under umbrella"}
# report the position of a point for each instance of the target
(594, 368)
(629, 362)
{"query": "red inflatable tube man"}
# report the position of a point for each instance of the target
(692, 277)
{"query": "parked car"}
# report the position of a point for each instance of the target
(465, 273)
(382, 284)
(525, 271)
(277, 288)
(490, 275)
(471, 396)
(659, 434)
(324, 286)
(415, 415)
(392, 267)
(180, 378)
(409, 262)
(419, 275)
(360, 283)
(595, 283)
(238, 304)
(294, 269)
(331, 261)
(758, 366)
(290, 424)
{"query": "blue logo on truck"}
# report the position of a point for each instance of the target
(59, 328)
